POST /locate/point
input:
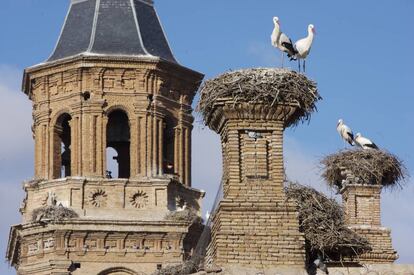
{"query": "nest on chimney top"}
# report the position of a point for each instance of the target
(269, 86)
(370, 167)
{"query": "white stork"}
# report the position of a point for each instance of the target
(345, 132)
(364, 143)
(303, 46)
(282, 41)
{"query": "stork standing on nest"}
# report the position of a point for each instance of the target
(364, 143)
(303, 47)
(282, 41)
(345, 132)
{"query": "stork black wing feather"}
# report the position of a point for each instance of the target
(372, 145)
(289, 46)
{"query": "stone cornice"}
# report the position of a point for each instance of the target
(94, 225)
(102, 181)
(191, 78)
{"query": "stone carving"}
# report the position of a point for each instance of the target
(49, 243)
(110, 80)
(139, 199)
(98, 198)
(23, 205)
(69, 81)
(128, 80)
(50, 199)
(33, 247)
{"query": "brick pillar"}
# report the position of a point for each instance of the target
(362, 203)
(254, 225)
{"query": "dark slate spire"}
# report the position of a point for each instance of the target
(113, 28)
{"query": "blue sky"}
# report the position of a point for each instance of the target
(362, 59)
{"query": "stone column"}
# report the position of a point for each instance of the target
(76, 132)
(55, 151)
(91, 137)
(160, 157)
(41, 126)
(187, 178)
(183, 146)
(140, 139)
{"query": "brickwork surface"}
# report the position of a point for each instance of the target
(254, 225)
(363, 214)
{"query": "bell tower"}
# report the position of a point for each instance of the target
(111, 83)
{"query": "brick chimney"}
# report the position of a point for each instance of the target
(362, 203)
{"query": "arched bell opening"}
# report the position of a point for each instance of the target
(62, 147)
(169, 146)
(118, 138)
(119, 271)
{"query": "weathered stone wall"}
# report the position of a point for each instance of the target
(95, 247)
(112, 198)
(149, 93)
(121, 223)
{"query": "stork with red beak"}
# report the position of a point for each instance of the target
(345, 132)
(303, 46)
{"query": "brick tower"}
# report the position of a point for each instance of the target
(111, 82)
(254, 225)
(362, 204)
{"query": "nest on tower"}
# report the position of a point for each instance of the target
(371, 167)
(268, 86)
(321, 219)
(52, 214)
(188, 215)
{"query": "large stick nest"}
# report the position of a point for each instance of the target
(53, 214)
(270, 86)
(374, 167)
(188, 267)
(322, 221)
(188, 215)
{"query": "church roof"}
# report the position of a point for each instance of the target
(112, 28)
